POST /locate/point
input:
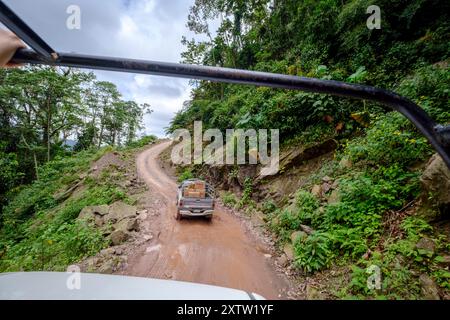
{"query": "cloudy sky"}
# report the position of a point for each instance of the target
(140, 29)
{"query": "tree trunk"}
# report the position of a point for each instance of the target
(36, 165)
(100, 136)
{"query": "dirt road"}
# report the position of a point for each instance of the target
(218, 252)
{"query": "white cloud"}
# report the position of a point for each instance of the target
(140, 29)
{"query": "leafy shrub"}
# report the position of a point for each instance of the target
(142, 142)
(246, 195)
(185, 175)
(40, 232)
(229, 199)
(313, 253)
(429, 87)
(307, 204)
(389, 140)
(268, 206)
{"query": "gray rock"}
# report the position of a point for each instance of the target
(326, 187)
(317, 190)
(335, 184)
(144, 211)
(288, 250)
(298, 235)
(427, 245)
(132, 225)
(87, 213)
(326, 179)
(283, 260)
(107, 251)
(126, 225)
(98, 220)
(306, 229)
(101, 210)
(429, 289)
(107, 267)
(147, 237)
(119, 210)
(334, 197)
(119, 237)
(436, 180)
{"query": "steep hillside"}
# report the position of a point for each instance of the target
(79, 206)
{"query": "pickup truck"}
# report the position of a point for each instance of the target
(195, 198)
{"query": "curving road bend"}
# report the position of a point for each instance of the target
(219, 252)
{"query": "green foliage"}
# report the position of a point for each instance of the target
(52, 247)
(9, 173)
(429, 87)
(142, 142)
(246, 195)
(185, 174)
(415, 227)
(314, 252)
(229, 199)
(389, 140)
(268, 206)
(307, 204)
(40, 231)
(42, 106)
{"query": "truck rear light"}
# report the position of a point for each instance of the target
(181, 203)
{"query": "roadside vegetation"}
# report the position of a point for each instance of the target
(45, 180)
(365, 205)
(40, 228)
(54, 123)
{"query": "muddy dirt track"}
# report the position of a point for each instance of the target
(219, 252)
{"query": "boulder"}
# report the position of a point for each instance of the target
(119, 237)
(288, 250)
(317, 190)
(326, 187)
(107, 267)
(427, 245)
(120, 210)
(87, 213)
(126, 225)
(430, 290)
(333, 197)
(335, 184)
(98, 220)
(283, 260)
(101, 210)
(307, 229)
(107, 252)
(298, 235)
(436, 183)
